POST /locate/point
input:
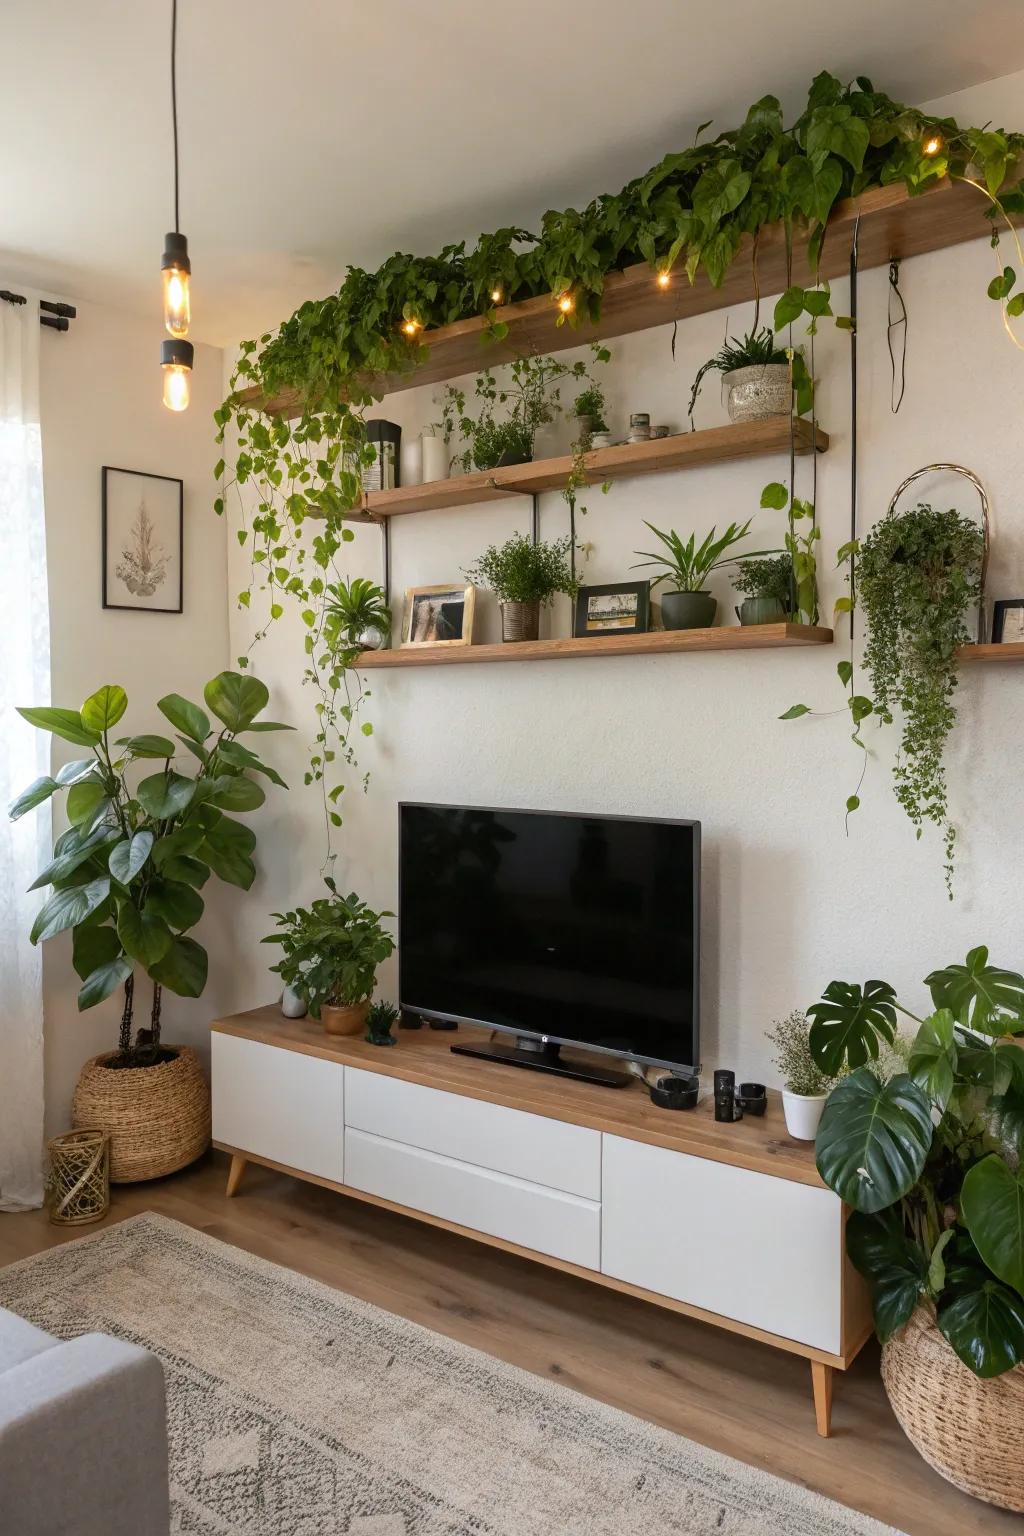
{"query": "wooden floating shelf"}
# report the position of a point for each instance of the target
(686, 450)
(1013, 650)
(749, 637)
(893, 225)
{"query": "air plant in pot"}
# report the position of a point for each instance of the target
(688, 605)
(523, 576)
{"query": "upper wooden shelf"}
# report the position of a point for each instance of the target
(686, 450)
(892, 225)
(1012, 650)
(732, 637)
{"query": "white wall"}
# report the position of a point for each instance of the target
(789, 900)
(100, 398)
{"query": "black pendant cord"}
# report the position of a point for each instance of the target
(898, 322)
(174, 104)
(853, 420)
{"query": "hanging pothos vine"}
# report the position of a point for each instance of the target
(690, 211)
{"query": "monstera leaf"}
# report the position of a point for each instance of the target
(873, 1139)
(985, 1325)
(980, 996)
(849, 1022)
(933, 1057)
(992, 1207)
(896, 1268)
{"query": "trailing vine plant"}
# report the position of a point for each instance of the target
(688, 214)
(918, 576)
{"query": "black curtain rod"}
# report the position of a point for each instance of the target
(57, 316)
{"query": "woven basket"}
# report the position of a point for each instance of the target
(78, 1182)
(520, 621)
(157, 1118)
(968, 1430)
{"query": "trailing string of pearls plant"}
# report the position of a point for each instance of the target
(688, 214)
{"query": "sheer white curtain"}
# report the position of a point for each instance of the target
(24, 754)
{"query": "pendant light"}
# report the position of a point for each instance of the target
(176, 355)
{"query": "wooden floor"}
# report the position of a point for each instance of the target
(740, 1397)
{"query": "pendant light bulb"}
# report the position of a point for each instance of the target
(176, 270)
(176, 359)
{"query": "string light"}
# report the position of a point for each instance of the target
(410, 327)
(496, 295)
(566, 303)
(932, 145)
(663, 279)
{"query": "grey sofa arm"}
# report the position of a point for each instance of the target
(83, 1442)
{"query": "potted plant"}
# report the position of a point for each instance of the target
(930, 1161)
(356, 614)
(805, 1087)
(767, 585)
(379, 1022)
(688, 566)
(756, 374)
(509, 410)
(589, 412)
(524, 575)
(125, 880)
(331, 954)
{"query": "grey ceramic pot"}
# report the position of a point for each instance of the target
(760, 610)
(292, 1005)
(688, 610)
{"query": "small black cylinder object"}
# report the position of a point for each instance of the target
(175, 252)
(725, 1081)
(726, 1108)
(752, 1098)
(177, 353)
(675, 1092)
(386, 436)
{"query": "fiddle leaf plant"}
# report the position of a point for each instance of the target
(126, 875)
(930, 1158)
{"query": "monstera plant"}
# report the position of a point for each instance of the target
(126, 875)
(930, 1159)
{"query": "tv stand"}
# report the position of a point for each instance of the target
(544, 1056)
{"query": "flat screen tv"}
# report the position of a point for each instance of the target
(556, 929)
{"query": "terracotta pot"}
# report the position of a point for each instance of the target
(349, 1020)
(157, 1118)
(966, 1428)
(520, 621)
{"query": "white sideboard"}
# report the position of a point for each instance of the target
(730, 1224)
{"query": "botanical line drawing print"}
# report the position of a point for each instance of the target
(144, 561)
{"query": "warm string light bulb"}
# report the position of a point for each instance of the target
(932, 144)
(410, 327)
(496, 295)
(566, 303)
(176, 359)
(663, 279)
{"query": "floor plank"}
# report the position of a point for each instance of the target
(727, 1392)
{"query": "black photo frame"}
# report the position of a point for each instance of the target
(142, 548)
(596, 615)
(999, 612)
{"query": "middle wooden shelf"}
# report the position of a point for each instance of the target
(685, 450)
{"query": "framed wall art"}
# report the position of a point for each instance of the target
(616, 608)
(438, 615)
(143, 541)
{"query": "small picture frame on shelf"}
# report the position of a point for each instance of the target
(614, 608)
(1008, 621)
(438, 615)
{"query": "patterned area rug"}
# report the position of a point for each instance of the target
(295, 1410)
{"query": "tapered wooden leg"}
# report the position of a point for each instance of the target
(821, 1380)
(235, 1173)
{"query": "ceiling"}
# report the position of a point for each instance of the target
(315, 133)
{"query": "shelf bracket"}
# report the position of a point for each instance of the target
(385, 533)
(535, 517)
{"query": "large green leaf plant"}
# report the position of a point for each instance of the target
(930, 1159)
(126, 876)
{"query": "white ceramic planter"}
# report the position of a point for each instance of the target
(434, 459)
(755, 393)
(292, 1005)
(411, 461)
(803, 1112)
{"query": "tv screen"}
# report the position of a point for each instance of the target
(575, 928)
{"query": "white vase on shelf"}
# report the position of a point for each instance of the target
(434, 458)
(411, 461)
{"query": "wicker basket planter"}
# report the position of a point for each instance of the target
(520, 621)
(157, 1118)
(968, 1430)
(78, 1181)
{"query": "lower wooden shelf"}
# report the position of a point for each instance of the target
(733, 637)
(1012, 650)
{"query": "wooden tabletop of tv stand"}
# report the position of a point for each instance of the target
(423, 1056)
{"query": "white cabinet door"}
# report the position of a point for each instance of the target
(543, 1219)
(758, 1249)
(548, 1152)
(279, 1104)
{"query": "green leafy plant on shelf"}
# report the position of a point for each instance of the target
(791, 1054)
(127, 874)
(930, 1158)
(758, 349)
(801, 540)
(331, 950)
(918, 575)
(589, 407)
(689, 565)
(765, 576)
(520, 571)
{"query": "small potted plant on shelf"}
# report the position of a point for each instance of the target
(688, 566)
(767, 585)
(805, 1086)
(756, 374)
(125, 880)
(379, 1022)
(523, 576)
(331, 953)
(589, 413)
(930, 1161)
(356, 615)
